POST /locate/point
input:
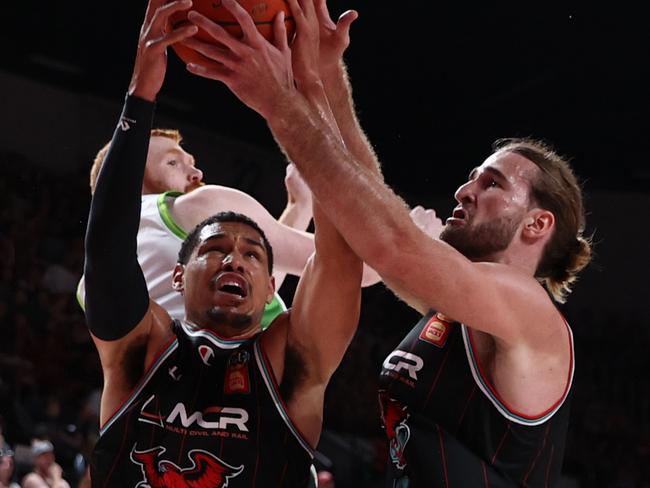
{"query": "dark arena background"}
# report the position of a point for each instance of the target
(434, 86)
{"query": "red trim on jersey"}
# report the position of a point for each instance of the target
(435, 380)
(277, 391)
(443, 456)
(469, 398)
(498, 449)
(548, 468)
(502, 401)
(485, 475)
(181, 449)
(259, 423)
(539, 452)
(160, 352)
(118, 457)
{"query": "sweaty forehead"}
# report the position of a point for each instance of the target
(230, 229)
(512, 166)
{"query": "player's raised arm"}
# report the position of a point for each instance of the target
(117, 301)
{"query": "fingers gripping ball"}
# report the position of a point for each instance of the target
(262, 12)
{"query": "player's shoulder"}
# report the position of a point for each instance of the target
(207, 194)
(528, 302)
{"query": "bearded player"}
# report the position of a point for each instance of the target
(207, 401)
(478, 392)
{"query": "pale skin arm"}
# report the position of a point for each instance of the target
(374, 221)
(377, 226)
(334, 40)
(291, 247)
(298, 212)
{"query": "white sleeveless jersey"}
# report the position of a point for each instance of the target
(159, 240)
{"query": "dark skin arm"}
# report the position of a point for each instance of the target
(129, 348)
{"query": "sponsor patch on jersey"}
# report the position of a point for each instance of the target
(237, 379)
(436, 331)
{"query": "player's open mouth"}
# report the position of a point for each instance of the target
(232, 284)
(458, 216)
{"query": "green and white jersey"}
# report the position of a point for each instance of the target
(159, 240)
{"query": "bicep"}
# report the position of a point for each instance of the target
(490, 297)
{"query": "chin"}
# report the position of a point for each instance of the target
(235, 320)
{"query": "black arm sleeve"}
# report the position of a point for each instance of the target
(116, 292)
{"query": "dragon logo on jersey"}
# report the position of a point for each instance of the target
(206, 471)
(398, 432)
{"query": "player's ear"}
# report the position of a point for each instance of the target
(537, 224)
(271, 291)
(178, 278)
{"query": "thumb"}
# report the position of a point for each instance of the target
(345, 21)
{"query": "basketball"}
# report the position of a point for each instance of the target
(262, 11)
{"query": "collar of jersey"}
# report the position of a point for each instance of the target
(194, 330)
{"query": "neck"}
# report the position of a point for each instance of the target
(224, 330)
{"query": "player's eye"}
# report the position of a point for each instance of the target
(253, 254)
(172, 162)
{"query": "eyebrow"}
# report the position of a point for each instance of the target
(254, 242)
(488, 169)
(221, 235)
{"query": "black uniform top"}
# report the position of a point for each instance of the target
(207, 413)
(448, 427)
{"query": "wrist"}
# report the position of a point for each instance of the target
(142, 92)
(336, 72)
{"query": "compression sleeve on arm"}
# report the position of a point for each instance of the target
(116, 292)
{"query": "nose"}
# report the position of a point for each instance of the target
(233, 262)
(465, 193)
(195, 175)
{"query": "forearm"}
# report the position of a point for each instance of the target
(296, 215)
(366, 212)
(339, 94)
(116, 292)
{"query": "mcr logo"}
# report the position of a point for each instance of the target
(206, 470)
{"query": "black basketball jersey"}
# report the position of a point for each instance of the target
(448, 427)
(206, 414)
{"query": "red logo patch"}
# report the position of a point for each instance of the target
(237, 379)
(205, 470)
(436, 330)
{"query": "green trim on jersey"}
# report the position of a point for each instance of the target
(271, 310)
(80, 299)
(166, 215)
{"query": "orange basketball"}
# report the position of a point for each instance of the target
(262, 11)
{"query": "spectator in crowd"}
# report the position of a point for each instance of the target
(7, 468)
(46, 473)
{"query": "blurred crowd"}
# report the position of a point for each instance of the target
(50, 380)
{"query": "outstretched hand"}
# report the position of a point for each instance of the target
(255, 70)
(427, 221)
(334, 37)
(151, 57)
(306, 43)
